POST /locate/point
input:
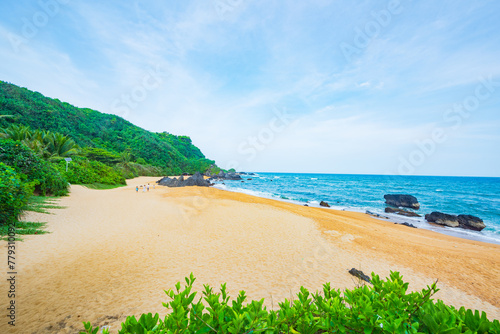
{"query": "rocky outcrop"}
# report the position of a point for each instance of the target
(464, 221)
(226, 176)
(398, 200)
(195, 180)
(442, 219)
(470, 222)
(401, 212)
(323, 203)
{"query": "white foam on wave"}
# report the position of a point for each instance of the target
(245, 191)
(314, 178)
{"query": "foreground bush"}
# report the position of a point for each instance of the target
(49, 180)
(385, 307)
(14, 194)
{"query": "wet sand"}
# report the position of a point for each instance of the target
(111, 253)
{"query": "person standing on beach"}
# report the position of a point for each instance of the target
(136, 189)
(148, 186)
(144, 188)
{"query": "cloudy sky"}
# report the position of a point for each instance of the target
(361, 87)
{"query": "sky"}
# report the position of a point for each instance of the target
(352, 87)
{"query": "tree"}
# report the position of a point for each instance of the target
(60, 146)
(16, 132)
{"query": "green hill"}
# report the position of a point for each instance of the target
(91, 128)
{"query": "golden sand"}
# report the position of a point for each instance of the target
(111, 253)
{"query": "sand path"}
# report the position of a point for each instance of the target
(111, 253)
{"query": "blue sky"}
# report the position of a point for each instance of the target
(370, 87)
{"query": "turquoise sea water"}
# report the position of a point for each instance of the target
(477, 196)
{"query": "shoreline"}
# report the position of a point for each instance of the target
(394, 218)
(111, 253)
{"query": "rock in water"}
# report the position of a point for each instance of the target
(401, 212)
(470, 222)
(359, 274)
(407, 201)
(442, 219)
(323, 203)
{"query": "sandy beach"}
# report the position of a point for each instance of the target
(111, 253)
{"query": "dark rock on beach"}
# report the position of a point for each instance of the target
(464, 221)
(398, 200)
(442, 219)
(401, 212)
(323, 203)
(407, 224)
(470, 222)
(373, 214)
(359, 274)
(195, 180)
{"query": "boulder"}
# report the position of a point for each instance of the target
(166, 181)
(233, 176)
(442, 219)
(226, 176)
(407, 201)
(322, 203)
(470, 222)
(401, 212)
(195, 180)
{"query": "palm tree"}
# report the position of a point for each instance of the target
(126, 157)
(60, 146)
(16, 132)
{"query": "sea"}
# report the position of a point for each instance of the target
(477, 196)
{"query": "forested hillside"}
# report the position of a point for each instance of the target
(93, 129)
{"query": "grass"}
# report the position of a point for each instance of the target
(40, 204)
(23, 228)
(102, 186)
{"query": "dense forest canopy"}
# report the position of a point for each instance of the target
(93, 129)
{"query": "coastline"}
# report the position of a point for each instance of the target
(111, 253)
(487, 235)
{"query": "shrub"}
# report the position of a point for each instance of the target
(14, 194)
(130, 170)
(84, 171)
(385, 307)
(49, 180)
